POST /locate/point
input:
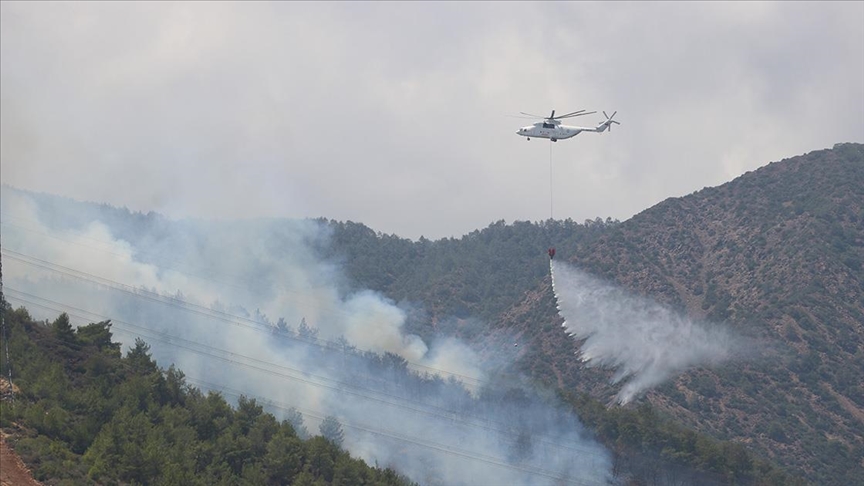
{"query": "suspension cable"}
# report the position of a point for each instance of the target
(551, 198)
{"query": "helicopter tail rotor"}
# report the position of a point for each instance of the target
(609, 121)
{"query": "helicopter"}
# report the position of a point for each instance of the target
(552, 128)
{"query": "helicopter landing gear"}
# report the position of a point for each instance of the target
(529, 139)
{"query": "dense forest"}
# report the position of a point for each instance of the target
(86, 414)
(83, 412)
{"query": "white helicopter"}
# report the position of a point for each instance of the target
(552, 128)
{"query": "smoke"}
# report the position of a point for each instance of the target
(645, 342)
(251, 307)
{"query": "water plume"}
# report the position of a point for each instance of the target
(645, 342)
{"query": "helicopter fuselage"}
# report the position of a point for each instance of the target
(552, 131)
(556, 131)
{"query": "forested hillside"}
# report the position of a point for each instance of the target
(81, 412)
(776, 254)
(86, 414)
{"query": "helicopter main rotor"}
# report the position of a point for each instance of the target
(560, 117)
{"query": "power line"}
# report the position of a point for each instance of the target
(395, 435)
(252, 363)
(320, 415)
(172, 302)
(191, 343)
(197, 309)
(324, 382)
(202, 310)
(317, 414)
(211, 313)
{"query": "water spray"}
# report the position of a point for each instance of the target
(645, 342)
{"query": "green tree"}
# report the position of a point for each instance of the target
(97, 334)
(321, 462)
(139, 358)
(307, 332)
(295, 418)
(175, 386)
(63, 328)
(284, 458)
(331, 430)
(247, 412)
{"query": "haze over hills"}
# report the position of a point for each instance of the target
(775, 256)
(250, 308)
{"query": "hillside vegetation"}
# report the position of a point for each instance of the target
(86, 414)
(776, 254)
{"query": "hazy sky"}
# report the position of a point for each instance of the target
(395, 114)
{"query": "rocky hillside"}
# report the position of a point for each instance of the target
(777, 254)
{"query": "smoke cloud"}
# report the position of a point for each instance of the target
(250, 307)
(643, 341)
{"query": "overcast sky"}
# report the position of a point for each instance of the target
(395, 114)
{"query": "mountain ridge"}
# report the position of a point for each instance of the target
(776, 254)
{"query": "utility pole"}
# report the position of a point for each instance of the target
(4, 333)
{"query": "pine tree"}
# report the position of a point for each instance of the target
(331, 430)
(63, 328)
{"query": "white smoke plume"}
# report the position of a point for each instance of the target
(645, 342)
(224, 302)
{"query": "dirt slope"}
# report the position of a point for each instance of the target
(12, 470)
